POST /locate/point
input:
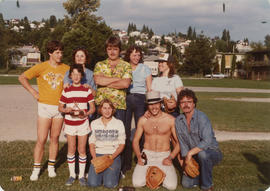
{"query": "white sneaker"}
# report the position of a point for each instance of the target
(51, 173)
(34, 176)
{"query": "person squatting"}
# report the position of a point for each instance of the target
(95, 108)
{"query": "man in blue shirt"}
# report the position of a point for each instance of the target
(197, 140)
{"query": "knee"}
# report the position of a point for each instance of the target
(54, 139)
(110, 184)
(138, 182)
(202, 156)
(170, 187)
(93, 184)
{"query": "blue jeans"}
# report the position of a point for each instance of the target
(109, 177)
(206, 159)
(135, 104)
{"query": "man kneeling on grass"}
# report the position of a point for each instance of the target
(197, 140)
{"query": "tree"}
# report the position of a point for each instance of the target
(223, 64)
(233, 65)
(267, 41)
(194, 34)
(221, 46)
(199, 56)
(76, 7)
(52, 21)
(189, 33)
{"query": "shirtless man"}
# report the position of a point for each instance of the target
(157, 132)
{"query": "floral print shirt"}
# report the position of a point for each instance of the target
(116, 96)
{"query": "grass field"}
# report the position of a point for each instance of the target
(228, 83)
(245, 167)
(235, 115)
(7, 80)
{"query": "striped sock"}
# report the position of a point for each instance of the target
(82, 164)
(51, 169)
(35, 172)
(71, 165)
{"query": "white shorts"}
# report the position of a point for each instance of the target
(78, 130)
(48, 111)
(155, 159)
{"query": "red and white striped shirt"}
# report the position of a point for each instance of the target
(77, 98)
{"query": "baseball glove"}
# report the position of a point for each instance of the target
(154, 177)
(102, 163)
(192, 168)
(169, 104)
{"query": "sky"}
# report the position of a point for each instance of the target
(243, 18)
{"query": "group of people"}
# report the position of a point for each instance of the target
(98, 107)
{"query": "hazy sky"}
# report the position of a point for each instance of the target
(243, 18)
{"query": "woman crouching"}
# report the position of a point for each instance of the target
(107, 138)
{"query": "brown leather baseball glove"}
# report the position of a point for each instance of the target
(170, 104)
(102, 163)
(192, 168)
(154, 177)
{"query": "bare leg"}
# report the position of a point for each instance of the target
(43, 127)
(54, 137)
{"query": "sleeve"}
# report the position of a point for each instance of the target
(92, 137)
(122, 133)
(34, 71)
(183, 146)
(97, 68)
(67, 80)
(177, 81)
(127, 71)
(147, 70)
(63, 98)
(90, 97)
(90, 79)
(206, 132)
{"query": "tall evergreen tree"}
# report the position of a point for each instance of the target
(189, 33)
(223, 64)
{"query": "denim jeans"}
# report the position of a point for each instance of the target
(206, 159)
(136, 105)
(109, 177)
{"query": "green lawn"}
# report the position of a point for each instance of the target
(6, 80)
(235, 115)
(245, 167)
(228, 83)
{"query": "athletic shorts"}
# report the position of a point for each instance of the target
(78, 130)
(48, 111)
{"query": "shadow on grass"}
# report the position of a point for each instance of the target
(61, 158)
(263, 167)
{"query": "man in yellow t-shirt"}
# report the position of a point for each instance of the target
(49, 75)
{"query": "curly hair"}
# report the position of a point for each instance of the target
(130, 50)
(187, 93)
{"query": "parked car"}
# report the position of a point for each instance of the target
(218, 75)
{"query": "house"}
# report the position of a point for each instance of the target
(30, 56)
(260, 64)
(228, 62)
(135, 33)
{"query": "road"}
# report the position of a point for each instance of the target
(19, 114)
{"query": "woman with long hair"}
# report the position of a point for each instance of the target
(168, 83)
(141, 83)
(81, 56)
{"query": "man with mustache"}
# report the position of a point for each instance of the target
(197, 140)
